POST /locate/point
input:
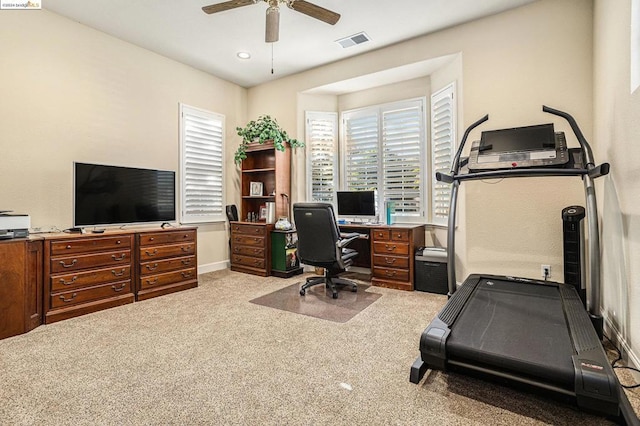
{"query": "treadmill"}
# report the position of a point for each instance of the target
(530, 333)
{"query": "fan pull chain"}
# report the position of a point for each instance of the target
(271, 58)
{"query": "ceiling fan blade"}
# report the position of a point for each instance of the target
(232, 4)
(315, 11)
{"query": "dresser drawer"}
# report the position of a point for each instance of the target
(75, 263)
(83, 245)
(248, 240)
(238, 228)
(157, 280)
(158, 252)
(167, 237)
(155, 267)
(391, 261)
(249, 251)
(386, 247)
(75, 297)
(83, 279)
(253, 262)
(400, 235)
(380, 234)
(391, 274)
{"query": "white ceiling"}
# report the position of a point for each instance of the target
(180, 30)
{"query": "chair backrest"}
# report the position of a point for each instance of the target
(317, 232)
(232, 213)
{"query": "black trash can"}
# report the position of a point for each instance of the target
(431, 270)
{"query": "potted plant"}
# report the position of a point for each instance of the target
(262, 130)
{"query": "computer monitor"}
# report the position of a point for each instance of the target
(356, 203)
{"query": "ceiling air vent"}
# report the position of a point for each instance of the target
(353, 40)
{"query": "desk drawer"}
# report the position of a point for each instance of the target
(400, 235)
(391, 274)
(380, 234)
(391, 261)
(82, 279)
(75, 297)
(248, 240)
(167, 237)
(83, 245)
(167, 278)
(74, 263)
(384, 247)
(160, 252)
(156, 267)
(248, 229)
(253, 262)
(249, 251)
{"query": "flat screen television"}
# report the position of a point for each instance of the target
(112, 195)
(356, 203)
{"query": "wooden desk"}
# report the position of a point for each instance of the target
(389, 250)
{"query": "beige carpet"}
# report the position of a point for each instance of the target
(208, 356)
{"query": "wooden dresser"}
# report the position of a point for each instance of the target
(251, 247)
(392, 255)
(20, 286)
(167, 262)
(86, 273)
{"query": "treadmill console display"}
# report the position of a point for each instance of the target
(530, 146)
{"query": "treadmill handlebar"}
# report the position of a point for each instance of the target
(443, 177)
(455, 165)
(586, 148)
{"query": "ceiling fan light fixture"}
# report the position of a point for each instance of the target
(272, 30)
(243, 55)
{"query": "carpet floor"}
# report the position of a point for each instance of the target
(208, 356)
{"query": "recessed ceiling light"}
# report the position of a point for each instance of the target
(243, 55)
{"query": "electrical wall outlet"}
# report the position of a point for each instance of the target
(545, 271)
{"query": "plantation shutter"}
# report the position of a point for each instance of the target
(443, 120)
(321, 150)
(402, 137)
(202, 165)
(361, 151)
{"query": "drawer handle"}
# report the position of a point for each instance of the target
(390, 248)
(119, 288)
(73, 296)
(152, 282)
(185, 236)
(257, 250)
(186, 261)
(398, 235)
(153, 253)
(68, 246)
(257, 231)
(152, 239)
(390, 273)
(62, 280)
(236, 249)
(186, 274)
(73, 262)
(113, 256)
(118, 242)
(257, 261)
(118, 274)
(389, 260)
(186, 249)
(151, 267)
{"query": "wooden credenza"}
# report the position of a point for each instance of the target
(167, 262)
(86, 273)
(20, 286)
(392, 255)
(251, 247)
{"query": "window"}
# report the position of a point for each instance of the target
(384, 150)
(443, 136)
(201, 165)
(322, 158)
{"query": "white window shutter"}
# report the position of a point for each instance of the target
(321, 150)
(361, 136)
(202, 165)
(443, 136)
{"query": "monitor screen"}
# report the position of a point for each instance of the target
(530, 138)
(108, 195)
(356, 203)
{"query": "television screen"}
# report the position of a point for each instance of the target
(356, 203)
(109, 195)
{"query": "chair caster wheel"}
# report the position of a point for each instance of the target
(334, 295)
(302, 292)
(354, 289)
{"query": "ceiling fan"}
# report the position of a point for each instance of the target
(273, 13)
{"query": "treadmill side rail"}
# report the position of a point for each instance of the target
(596, 386)
(433, 348)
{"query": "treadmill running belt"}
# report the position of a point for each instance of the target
(515, 327)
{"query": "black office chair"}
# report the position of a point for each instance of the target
(321, 244)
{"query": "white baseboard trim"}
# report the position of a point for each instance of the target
(212, 267)
(627, 354)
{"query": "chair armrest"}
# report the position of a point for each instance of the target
(347, 238)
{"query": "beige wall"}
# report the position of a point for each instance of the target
(511, 64)
(70, 93)
(617, 131)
